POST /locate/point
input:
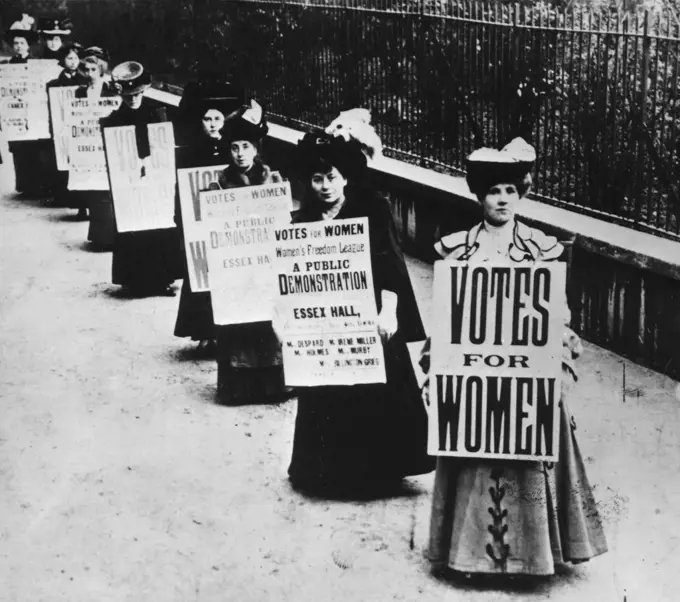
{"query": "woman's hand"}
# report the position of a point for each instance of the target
(425, 392)
(387, 318)
(572, 342)
(146, 161)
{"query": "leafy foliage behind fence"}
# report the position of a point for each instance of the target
(598, 93)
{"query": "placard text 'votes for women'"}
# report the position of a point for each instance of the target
(238, 225)
(190, 182)
(87, 160)
(197, 205)
(60, 99)
(326, 310)
(143, 191)
(496, 362)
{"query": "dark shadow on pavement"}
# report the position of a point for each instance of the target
(369, 491)
(192, 354)
(528, 585)
(89, 247)
(122, 292)
(64, 217)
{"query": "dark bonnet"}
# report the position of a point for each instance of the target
(318, 152)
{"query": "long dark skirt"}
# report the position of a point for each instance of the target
(249, 365)
(25, 168)
(146, 260)
(195, 315)
(48, 165)
(102, 230)
(62, 195)
(76, 199)
(363, 432)
(34, 166)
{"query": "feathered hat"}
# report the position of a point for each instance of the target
(487, 166)
(355, 124)
(55, 26)
(22, 29)
(130, 78)
(319, 152)
(347, 144)
(249, 125)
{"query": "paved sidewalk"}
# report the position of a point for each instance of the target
(121, 480)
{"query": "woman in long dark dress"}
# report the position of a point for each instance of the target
(70, 76)
(102, 229)
(20, 37)
(512, 517)
(54, 32)
(358, 435)
(207, 107)
(249, 361)
(146, 262)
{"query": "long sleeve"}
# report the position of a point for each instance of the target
(390, 272)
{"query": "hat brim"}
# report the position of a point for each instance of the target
(135, 90)
(226, 105)
(56, 32)
(30, 35)
(130, 87)
(485, 174)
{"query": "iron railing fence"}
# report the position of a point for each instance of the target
(597, 92)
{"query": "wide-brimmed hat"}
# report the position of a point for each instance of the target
(130, 78)
(249, 125)
(55, 26)
(21, 29)
(488, 166)
(318, 152)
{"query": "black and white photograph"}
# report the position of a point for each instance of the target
(339, 300)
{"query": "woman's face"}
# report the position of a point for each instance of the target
(20, 46)
(213, 122)
(243, 154)
(329, 187)
(53, 43)
(92, 72)
(133, 101)
(71, 61)
(499, 204)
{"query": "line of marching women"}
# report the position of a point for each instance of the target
(504, 517)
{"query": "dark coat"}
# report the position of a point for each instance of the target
(257, 175)
(148, 260)
(46, 53)
(107, 90)
(376, 431)
(67, 78)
